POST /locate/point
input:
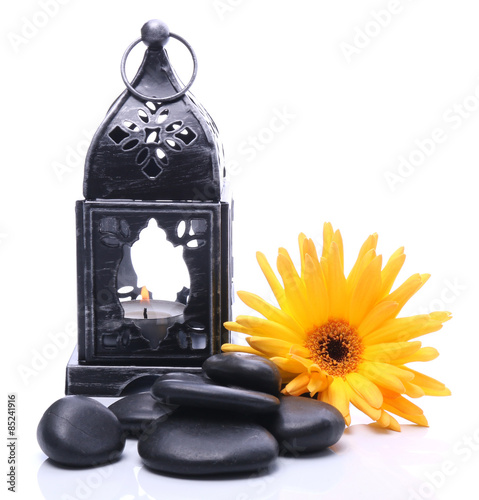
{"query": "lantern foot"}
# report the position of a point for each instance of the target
(111, 380)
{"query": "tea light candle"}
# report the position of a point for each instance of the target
(153, 317)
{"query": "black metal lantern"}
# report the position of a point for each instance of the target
(154, 163)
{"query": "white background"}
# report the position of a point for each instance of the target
(355, 96)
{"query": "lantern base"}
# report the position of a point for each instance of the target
(110, 380)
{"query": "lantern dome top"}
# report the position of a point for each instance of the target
(156, 142)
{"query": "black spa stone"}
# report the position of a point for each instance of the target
(78, 431)
(185, 377)
(200, 442)
(199, 392)
(246, 370)
(139, 412)
(304, 425)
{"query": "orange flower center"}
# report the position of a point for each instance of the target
(335, 347)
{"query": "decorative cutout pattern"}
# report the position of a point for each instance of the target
(130, 144)
(152, 170)
(154, 143)
(118, 134)
(114, 231)
(186, 135)
(191, 334)
(189, 232)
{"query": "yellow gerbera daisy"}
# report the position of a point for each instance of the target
(339, 338)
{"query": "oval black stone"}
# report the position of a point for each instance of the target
(205, 442)
(198, 392)
(138, 412)
(246, 370)
(79, 431)
(185, 377)
(305, 425)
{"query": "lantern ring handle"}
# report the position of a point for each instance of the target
(169, 98)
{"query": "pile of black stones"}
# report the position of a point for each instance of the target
(230, 418)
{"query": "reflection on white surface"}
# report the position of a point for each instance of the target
(110, 482)
(366, 463)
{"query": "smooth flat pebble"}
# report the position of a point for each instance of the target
(138, 412)
(244, 370)
(201, 393)
(78, 431)
(199, 442)
(304, 425)
(185, 377)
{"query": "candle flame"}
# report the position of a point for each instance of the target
(145, 295)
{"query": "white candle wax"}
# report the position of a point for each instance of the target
(160, 315)
(155, 309)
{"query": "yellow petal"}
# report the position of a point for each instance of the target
(288, 364)
(393, 424)
(323, 396)
(297, 386)
(338, 239)
(299, 350)
(384, 420)
(376, 317)
(338, 395)
(365, 388)
(295, 292)
(423, 354)
(316, 291)
(388, 352)
(441, 316)
(310, 249)
(370, 244)
(403, 329)
(270, 347)
(301, 240)
(236, 327)
(240, 348)
(317, 383)
(282, 251)
(403, 375)
(382, 377)
(269, 311)
(404, 405)
(413, 390)
(430, 386)
(358, 269)
(388, 421)
(417, 419)
(391, 270)
(366, 293)
(336, 284)
(323, 264)
(388, 393)
(328, 234)
(434, 392)
(361, 404)
(272, 281)
(405, 291)
(265, 328)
